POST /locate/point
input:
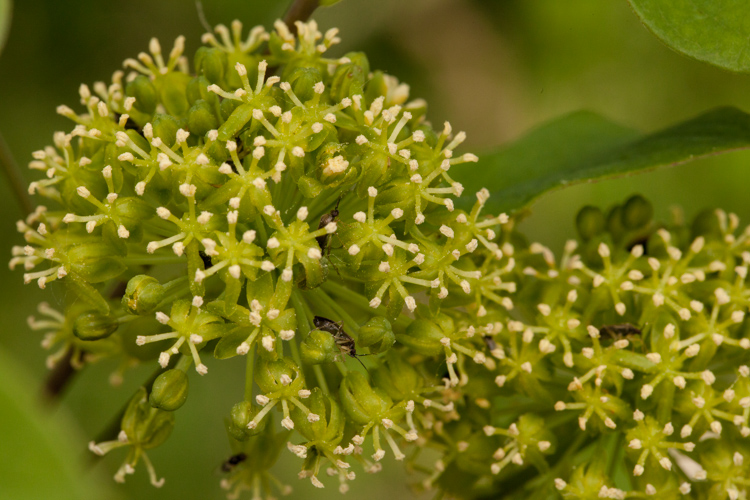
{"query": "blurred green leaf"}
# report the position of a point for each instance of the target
(6, 10)
(713, 31)
(38, 458)
(583, 146)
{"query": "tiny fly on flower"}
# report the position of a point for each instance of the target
(205, 258)
(490, 342)
(324, 242)
(620, 331)
(343, 340)
(232, 462)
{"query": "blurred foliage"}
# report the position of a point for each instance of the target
(713, 31)
(495, 68)
(6, 9)
(39, 458)
(584, 147)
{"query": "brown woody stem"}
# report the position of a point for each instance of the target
(15, 178)
(300, 10)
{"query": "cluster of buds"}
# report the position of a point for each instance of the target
(297, 209)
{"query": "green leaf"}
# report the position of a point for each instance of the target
(712, 31)
(584, 147)
(39, 459)
(6, 11)
(227, 347)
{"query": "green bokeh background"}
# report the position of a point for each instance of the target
(495, 68)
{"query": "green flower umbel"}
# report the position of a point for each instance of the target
(267, 201)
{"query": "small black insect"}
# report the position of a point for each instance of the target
(324, 242)
(343, 340)
(205, 258)
(233, 462)
(130, 124)
(232, 166)
(490, 342)
(617, 332)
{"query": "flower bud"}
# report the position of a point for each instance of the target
(228, 106)
(310, 187)
(706, 224)
(329, 424)
(636, 212)
(377, 334)
(349, 78)
(614, 222)
(172, 90)
(319, 347)
(242, 413)
(142, 295)
(94, 326)
(145, 425)
(376, 86)
(156, 430)
(311, 273)
(373, 169)
(145, 94)
(211, 63)
(479, 450)
(303, 80)
(397, 377)
(94, 262)
(250, 61)
(198, 89)
(170, 390)
(165, 128)
(589, 222)
(201, 118)
(281, 375)
(361, 402)
(423, 336)
(133, 210)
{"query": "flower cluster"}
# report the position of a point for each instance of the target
(296, 209)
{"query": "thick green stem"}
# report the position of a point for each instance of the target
(361, 302)
(260, 228)
(303, 323)
(184, 363)
(150, 260)
(320, 376)
(250, 373)
(666, 403)
(173, 290)
(295, 351)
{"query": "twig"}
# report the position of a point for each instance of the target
(202, 16)
(15, 178)
(300, 10)
(59, 378)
